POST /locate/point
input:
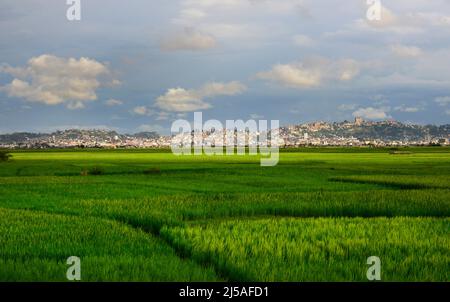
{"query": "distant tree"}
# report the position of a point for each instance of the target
(4, 156)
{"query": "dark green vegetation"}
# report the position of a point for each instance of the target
(4, 156)
(135, 215)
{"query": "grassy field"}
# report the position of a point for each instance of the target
(146, 215)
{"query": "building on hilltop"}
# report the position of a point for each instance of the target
(359, 121)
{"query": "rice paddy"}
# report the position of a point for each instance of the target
(151, 216)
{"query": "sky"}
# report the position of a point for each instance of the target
(138, 65)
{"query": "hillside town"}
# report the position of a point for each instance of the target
(346, 133)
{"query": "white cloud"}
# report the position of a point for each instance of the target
(406, 51)
(214, 3)
(188, 39)
(53, 80)
(303, 41)
(407, 109)
(234, 31)
(192, 13)
(238, 21)
(233, 6)
(75, 105)
(345, 69)
(142, 110)
(185, 100)
(397, 23)
(311, 73)
(401, 23)
(387, 18)
(443, 100)
(371, 113)
(405, 22)
(217, 88)
(292, 75)
(180, 99)
(431, 18)
(113, 102)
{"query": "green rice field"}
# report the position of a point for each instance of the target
(147, 215)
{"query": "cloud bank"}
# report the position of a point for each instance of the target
(53, 80)
(186, 100)
(311, 72)
(188, 39)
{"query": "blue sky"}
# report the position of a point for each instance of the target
(138, 65)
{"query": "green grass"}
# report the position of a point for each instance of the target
(322, 249)
(133, 213)
(35, 246)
